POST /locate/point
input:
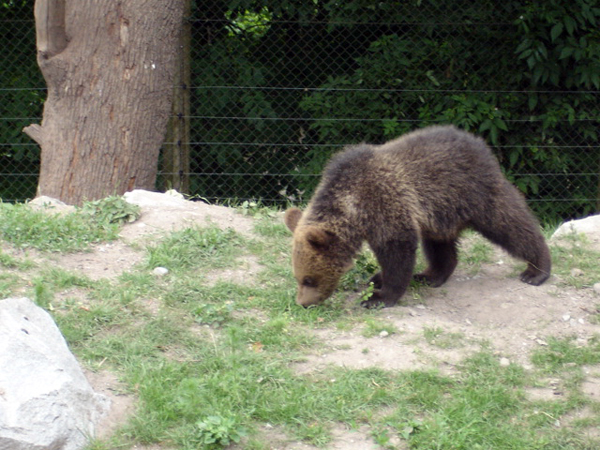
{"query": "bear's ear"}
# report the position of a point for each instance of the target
(292, 217)
(320, 239)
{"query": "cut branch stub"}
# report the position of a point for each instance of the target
(51, 34)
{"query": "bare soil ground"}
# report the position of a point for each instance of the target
(492, 306)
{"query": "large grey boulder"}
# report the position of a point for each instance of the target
(46, 403)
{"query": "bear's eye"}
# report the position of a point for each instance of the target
(309, 282)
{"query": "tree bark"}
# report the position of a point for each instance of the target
(109, 68)
(176, 150)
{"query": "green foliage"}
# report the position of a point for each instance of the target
(279, 86)
(368, 292)
(217, 432)
(21, 100)
(112, 209)
(213, 314)
(394, 82)
(365, 266)
(373, 72)
(560, 43)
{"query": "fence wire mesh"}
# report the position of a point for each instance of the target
(273, 89)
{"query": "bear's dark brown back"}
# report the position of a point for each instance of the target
(441, 174)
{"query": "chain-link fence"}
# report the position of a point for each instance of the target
(267, 93)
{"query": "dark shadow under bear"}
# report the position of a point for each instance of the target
(430, 184)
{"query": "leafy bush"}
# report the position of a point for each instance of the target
(113, 209)
(216, 432)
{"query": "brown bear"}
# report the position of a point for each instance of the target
(429, 184)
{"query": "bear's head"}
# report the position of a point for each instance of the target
(319, 259)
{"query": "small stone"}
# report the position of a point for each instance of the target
(597, 288)
(576, 272)
(504, 362)
(160, 271)
(384, 334)
(566, 317)
(541, 342)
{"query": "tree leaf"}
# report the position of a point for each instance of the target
(556, 31)
(566, 52)
(570, 24)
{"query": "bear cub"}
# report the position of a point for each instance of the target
(427, 185)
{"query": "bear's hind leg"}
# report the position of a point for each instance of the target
(529, 247)
(515, 229)
(442, 260)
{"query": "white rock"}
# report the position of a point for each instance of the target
(384, 334)
(45, 400)
(597, 288)
(174, 193)
(143, 198)
(589, 225)
(504, 362)
(44, 200)
(160, 271)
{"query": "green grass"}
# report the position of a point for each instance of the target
(375, 327)
(476, 253)
(25, 227)
(194, 248)
(564, 353)
(213, 363)
(574, 252)
(8, 284)
(442, 339)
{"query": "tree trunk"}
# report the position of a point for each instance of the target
(176, 150)
(109, 70)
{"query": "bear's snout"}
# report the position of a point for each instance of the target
(308, 296)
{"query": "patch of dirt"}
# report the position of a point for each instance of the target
(122, 405)
(106, 260)
(245, 273)
(342, 439)
(492, 307)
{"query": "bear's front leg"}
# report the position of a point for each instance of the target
(397, 260)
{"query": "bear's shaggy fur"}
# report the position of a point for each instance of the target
(430, 184)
